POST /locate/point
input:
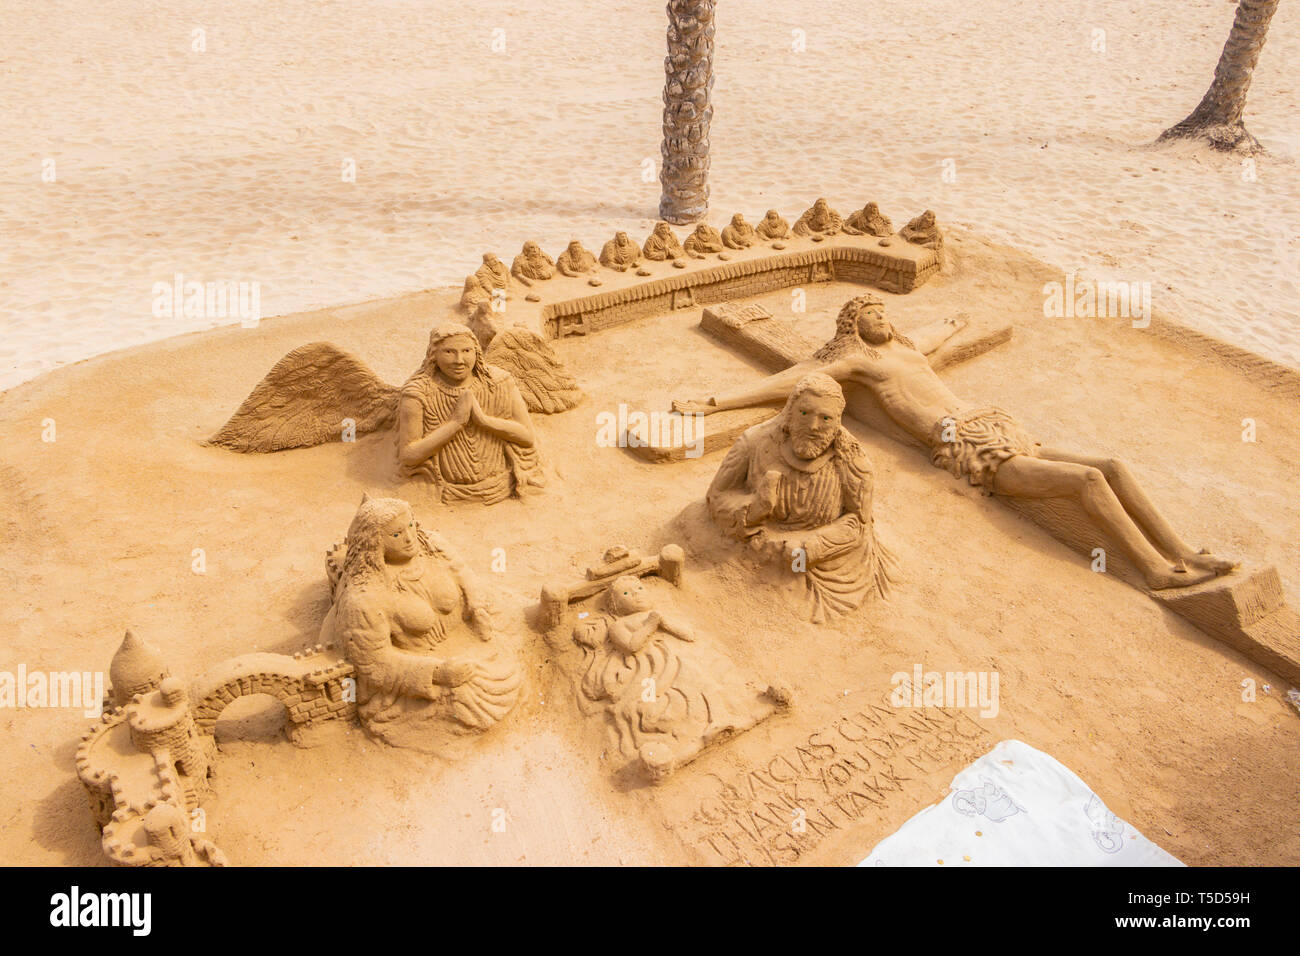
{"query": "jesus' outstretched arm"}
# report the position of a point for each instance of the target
(929, 338)
(774, 389)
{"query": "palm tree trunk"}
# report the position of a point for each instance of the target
(1218, 118)
(687, 111)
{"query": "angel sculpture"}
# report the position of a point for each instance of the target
(462, 418)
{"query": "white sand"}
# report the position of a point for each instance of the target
(226, 164)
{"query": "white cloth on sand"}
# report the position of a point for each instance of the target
(1028, 810)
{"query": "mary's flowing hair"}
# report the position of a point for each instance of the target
(363, 561)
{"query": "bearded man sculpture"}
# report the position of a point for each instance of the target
(798, 489)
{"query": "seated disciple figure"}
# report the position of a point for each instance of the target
(703, 240)
(491, 281)
(924, 231)
(773, 226)
(738, 234)
(666, 696)
(463, 425)
(798, 489)
(869, 221)
(575, 260)
(408, 616)
(662, 244)
(532, 265)
(620, 253)
(820, 220)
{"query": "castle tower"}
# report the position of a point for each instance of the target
(161, 720)
(137, 668)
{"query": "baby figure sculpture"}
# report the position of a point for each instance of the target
(666, 696)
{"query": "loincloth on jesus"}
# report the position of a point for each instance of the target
(975, 444)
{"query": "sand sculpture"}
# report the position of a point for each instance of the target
(688, 70)
(820, 220)
(703, 240)
(462, 422)
(546, 385)
(662, 244)
(489, 283)
(773, 226)
(983, 445)
(798, 490)
(576, 261)
(924, 231)
(418, 662)
(532, 265)
(691, 701)
(738, 234)
(620, 253)
(146, 766)
(664, 692)
(869, 221)
(463, 425)
(410, 619)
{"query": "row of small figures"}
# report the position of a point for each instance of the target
(621, 253)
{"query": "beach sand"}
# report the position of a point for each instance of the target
(102, 524)
(1026, 122)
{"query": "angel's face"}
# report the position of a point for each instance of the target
(455, 357)
(400, 541)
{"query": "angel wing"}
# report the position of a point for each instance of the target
(545, 384)
(306, 399)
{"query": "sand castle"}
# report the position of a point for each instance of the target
(145, 767)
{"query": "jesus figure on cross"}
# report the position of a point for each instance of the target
(984, 445)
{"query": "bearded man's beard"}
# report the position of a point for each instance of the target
(877, 338)
(810, 446)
